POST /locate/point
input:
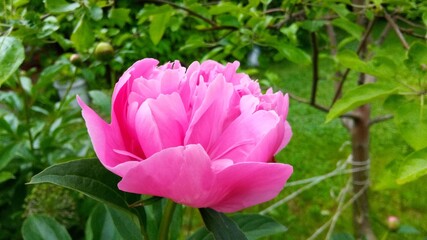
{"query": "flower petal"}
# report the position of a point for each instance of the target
(104, 141)
(246, 184)
(182, 174)
(161, 123)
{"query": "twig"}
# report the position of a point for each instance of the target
(359, 48)
(346, 205)
(383, 34)
(191, 12)
(411, 33)
(412, 24)
(396, 29)
(341, 198)
(315, 60)
(380, 119)
(315, 105)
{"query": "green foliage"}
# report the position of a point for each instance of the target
(220, 225)
(39, 227)
(11, 57)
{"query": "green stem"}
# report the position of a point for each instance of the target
(166, 220)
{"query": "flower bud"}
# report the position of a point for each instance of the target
(104, 51)
(76, 60)
(393, 223)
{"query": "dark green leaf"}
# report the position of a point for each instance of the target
(11, 57)
(82, 36)
(126, 224)
(413, 167)
(101, 100)
(60, 6)
(359, 96)
(221, 226)
(256, 226)
(100, 225)
(8, 153)
(39, 227)
(201, 234)
(87, 176)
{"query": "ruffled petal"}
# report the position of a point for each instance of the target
(244, 185)
(182, 174)
(208, 119)
(161, 123)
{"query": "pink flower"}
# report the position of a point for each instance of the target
(203, 136)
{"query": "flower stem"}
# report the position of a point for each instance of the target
(166, 220)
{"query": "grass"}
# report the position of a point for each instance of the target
(316, 148)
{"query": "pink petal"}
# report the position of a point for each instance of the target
(104, 141)
(182, 174)
(246, 184)
(242, 136)
(207, 121)
(161, 123)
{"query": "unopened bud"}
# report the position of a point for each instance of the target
(104, 51)
(393, 223)
(76, 60)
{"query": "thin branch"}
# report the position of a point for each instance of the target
(315, 105)
(189, 11)
(383, 34)
(410, 23)
(380, 119)
(341, 199)
(315, 60)
(359, 49)
(396, 29)
(411, 33)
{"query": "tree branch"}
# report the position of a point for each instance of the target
(380, 119)
(315, 60)
(396, 29)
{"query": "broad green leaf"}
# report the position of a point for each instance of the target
(352, 28)
(223, 7)
(221, 226)
(256, 226)
(126, 224)
(39, 227)
(417, 55)
(411, 121)
(4, 176)
(50, 25)
(119, 16)
(158, 26)
(100, 225)
(60, 6)
(95, 12)
(87, 176)
(293, 53)
(12, 55)
(358, 96)
(413, 167)
(82, 36)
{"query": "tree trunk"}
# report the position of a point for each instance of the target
(360, 164)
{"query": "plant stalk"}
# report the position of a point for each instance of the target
(166, 220)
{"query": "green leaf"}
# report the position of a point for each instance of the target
(350, 59)
(8, 153)
(95, 12)
(411, 121)
(60, 6)
(293, 53)
(12, 55)
(119, 16)
(201, 234)
(221, 226)
(352, 28)
(100, 225)
(358, 96)
(88, 176)
(413, 167)
(126, 224)
(417, 54)
(39, 227)
(158, 26)
(82, 36)
(4, 176)
(256, 226)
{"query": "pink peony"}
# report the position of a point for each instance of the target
(203, 136)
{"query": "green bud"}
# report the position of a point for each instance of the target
(104, 51)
